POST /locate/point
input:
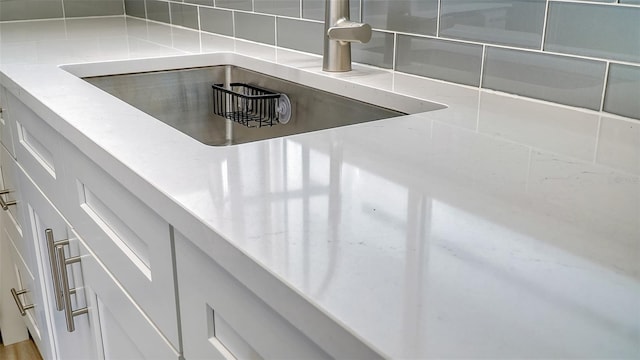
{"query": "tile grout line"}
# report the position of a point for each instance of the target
(544, 25)
(395, 51)
(604, 85)
(438, 14)
(482, 63)
(275, 31)
(233, 23)
(199, 28)
(617, 3)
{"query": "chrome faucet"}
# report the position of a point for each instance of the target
(339, 33)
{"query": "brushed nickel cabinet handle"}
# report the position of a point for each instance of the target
(66, 292)
(16, 297)
(5, 204)
(55, 273)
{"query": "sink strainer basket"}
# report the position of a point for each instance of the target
(250, 105)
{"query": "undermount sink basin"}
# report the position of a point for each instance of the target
(183, 99)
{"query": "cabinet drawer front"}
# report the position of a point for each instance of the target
(130, 239)
(122, 331)
(35, 318)
(38, 151)
(221, 318)
(9, 181)
(5, 128)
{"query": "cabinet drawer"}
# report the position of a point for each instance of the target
(129, 238)
(5, 128)
(122, 331)
(38, 149)
(221, 318)
(14, 214)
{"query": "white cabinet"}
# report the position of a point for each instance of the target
(59, 281)
(129, 238)
(13, 252)
(111, 295)
(31, 299)
(122, 330)
(223, 319)
(113, 326)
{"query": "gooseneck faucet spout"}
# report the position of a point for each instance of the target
(339, 33)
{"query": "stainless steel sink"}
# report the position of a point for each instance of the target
(183, 99)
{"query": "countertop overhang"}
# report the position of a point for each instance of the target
(498, 227)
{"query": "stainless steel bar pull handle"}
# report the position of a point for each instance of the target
(66, 292)
(16, 297)
(5, 204)
(55, 273)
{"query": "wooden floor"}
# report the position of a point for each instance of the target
(25, 350)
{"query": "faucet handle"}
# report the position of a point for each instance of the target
(350, 31)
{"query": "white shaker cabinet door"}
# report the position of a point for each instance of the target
(122, 331)
(29, 300)
(128, 237)
(60, 275)
(223, 319)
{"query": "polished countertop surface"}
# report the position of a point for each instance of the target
(499, 227)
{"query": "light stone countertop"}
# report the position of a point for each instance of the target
(500, 227)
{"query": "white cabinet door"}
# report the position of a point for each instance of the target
(223, 319)
(29, 295)
(122, 330)
(129, 238)
(12, 326)
(43, 217)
